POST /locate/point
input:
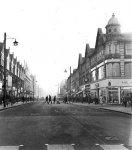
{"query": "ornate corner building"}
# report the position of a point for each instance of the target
(106, 70)
(112, 75)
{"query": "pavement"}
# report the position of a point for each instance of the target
(111, 107)
(10, 106)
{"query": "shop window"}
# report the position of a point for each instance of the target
(128, 69)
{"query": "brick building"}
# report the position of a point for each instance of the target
(106, 69)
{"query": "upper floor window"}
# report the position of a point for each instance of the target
(93, 75)
(101, 72)
(109, 30)
(112, 48)
(115, 30)
(93, 60)
(116, 48)
(128, 49)
(128, 69)
(113, 70)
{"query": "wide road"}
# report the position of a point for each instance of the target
(36, 124)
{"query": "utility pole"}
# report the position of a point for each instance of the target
(5, 64)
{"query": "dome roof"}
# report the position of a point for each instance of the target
(113, 20)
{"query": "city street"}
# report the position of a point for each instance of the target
(39, 126)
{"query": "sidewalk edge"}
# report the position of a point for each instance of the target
(12, 106)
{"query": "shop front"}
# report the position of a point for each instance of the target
(112, 90)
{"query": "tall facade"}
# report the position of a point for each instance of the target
(111, 76)
(106, 69)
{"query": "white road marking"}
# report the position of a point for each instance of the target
(9, 147)
(113, 147)
(60, 147)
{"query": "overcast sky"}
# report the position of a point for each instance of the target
(52, 33)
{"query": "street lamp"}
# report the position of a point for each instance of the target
(5, 64)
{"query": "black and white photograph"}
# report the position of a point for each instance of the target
(66, 75)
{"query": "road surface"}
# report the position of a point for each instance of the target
(39, 126)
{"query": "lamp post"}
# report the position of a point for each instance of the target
(5, 66)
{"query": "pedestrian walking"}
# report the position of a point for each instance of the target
(96, 100)
(65, 99)
(50, 101)
(23, 99)
(101, 99)
(125, 101)
(47, 100)
(54, 99)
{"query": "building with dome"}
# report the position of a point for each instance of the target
(106, 69)
(112, 74)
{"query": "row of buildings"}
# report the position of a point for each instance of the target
(106, 69)
(19, 81)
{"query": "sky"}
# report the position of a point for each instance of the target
(52, 33)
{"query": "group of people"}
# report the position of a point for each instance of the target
(126, 101)
(71, 99)
(50, 100)
(11, 99)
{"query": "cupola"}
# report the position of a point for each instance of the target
(113, 26)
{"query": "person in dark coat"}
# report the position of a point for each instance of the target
(50, 99)
(47, 100)
(125, 101)
(23, 99)
(65, 99)
(54, 99)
